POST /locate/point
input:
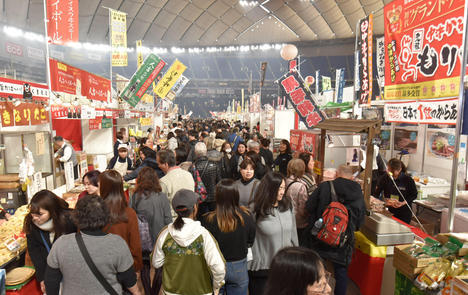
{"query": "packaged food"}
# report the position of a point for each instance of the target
(432, 277)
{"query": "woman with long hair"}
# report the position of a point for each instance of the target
(234, 229)
(149, 201)
(122, 219)
(47, 220)
(236, 159)
(296, 189)
(188, 254)
(396, 203)
(248, 184)
(308, 176)
(297, 271)
(276, 228)
(282, 160)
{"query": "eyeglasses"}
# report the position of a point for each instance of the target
(322, 286)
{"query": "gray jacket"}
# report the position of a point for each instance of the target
(155, 208)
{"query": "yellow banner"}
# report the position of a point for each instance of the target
(147, 98)
(118, 33)
(146, 121)
(139, 53)
(170, 78)
(447, 87)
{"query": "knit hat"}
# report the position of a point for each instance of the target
(184, 199)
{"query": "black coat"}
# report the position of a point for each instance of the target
(225, 167)
(148, 162)
(267, 156)
(282, 163)
(351, 193)
(210, 174)
(38, 251)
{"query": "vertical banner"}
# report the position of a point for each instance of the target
(139, 53)
(380, 61)
(303, 103)
(326, 83)
(317, 82)
(180, 84)
(118, 33)
(142, 79)
(242, 98)
(263, 68)
(170, 78)
(293, 63)
(423, 42)
(63, 21)
(365, 59)
(339, 85)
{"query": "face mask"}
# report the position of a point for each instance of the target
(228, 150)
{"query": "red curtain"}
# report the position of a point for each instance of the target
(69, 129)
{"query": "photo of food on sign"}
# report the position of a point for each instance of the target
(406, 141)
(441, 144)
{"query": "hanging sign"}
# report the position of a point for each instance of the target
(88, 112)
(439, 111)
(139, 53)
(301, 99)
(23, 115)
(263, 68)
(146, 121)
(302, 141)
(106, 123)
(22, 89)
(380, 63)
(317, 82)
(365, 60)
(423, 41)
(7, 114)
(170, 78)
(61, 112)
(95, 87)
(95, 124)
(63, 21)
(180, 84)
(65, 78)
(142, 79)
(339, 85)
(118, 33)
(326, 83)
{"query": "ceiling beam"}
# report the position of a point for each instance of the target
(172, 22)
(195, 21)
(154, 19)
(135, 17)
(92, 19)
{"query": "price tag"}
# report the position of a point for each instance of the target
(12, 245)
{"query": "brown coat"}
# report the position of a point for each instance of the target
(130, 233)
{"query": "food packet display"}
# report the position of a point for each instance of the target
(416, 250)
(458, 268)
(432, 277)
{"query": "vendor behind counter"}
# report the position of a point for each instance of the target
(394, 201)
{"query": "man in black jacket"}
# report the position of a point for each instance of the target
(265, 152)
(210, 174)
(148, 157)
(193, 139)
(350, 194)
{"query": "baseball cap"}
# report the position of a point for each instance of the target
(122, 146)
(184, 199)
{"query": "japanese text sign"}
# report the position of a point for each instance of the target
(61, 112)
(64, 78)
(170, 78)
(302, 141)
(423, 41)
(443, 111)
(63, 21)
(301, 99)
(142, 79)
(118, 32)
(380, 54)
(23, 115)
(365, 60)
(95, 87)
(21, 89)
(180, 84)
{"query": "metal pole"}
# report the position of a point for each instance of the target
(453, 180)
(49, 85)
(110, 50)
(424, 149)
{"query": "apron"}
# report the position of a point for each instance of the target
(121, 167)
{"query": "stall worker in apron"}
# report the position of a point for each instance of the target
(121, 162)
(398, 204)
(66, 153)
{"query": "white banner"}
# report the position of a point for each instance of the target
(381, 61)
(439, 111)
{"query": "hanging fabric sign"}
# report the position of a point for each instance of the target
(380, 63)
(142, 79)
(439, 111)
(423, 41)
(139, 53)
(170, 78)
(24, 114)
(317, 82)
(365, 60)
(326, 83)
(263, 68)
(301, 99)
(22, 89)
(339, 85)
(65, 78)
(118, 33)
(180, 84)
(95, 124)
(63, 21)
(95, 87)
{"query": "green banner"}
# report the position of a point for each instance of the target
(142, 79)
(106, 123)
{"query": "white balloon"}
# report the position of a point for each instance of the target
(289, 51)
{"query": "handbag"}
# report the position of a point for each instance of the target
(92, 266)
(144, 229)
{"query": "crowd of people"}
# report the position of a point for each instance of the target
(213, 212)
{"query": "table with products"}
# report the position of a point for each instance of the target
(12, 239)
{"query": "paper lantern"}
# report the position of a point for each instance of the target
(309, 80)
(288, 52)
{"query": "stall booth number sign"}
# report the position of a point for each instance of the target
(442, 111)
(423, 42)
(301, 99)
(142, 79)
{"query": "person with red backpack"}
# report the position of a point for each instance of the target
(337, 210)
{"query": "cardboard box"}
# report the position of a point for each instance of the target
(459, 286)
(408, 265)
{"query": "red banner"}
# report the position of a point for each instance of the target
(24, 114)
(423, 41)
(61, 112)
(95, 87)
(22, 89)
(63, 21)
(64, 78)
(95, 124)
(302, 141)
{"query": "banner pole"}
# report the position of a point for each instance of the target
(49, 85)
(110, 49)
(461, 92)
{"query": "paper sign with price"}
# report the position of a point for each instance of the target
(441, 111)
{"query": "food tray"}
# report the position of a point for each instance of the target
(388, 239)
